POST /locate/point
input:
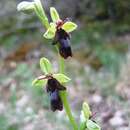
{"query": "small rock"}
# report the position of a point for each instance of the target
(96, 98)
(123, 89)
(29, 110)
(119, 113)
(2, 107)
(23, 101)
(117, 121)
(106, 116)
(124, 128)
(29, 127)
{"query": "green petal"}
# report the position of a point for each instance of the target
(54, 14)
(69, 26)
(61, 78)
(86, 110)
(92, 125)
(50, 33)
(39, 83)
(45, 65)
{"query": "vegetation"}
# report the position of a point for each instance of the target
(99, 73)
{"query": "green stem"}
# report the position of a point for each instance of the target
(41, 13)
(62, 65)
(61, 61)
(82, 126)
(63, 95)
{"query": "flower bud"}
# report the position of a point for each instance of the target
(26, 6)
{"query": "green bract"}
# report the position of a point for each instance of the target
(54, 14)
(82, 117)
(69, 26)
(25, 6)
(82, 121)
(61, 78)
(45, 65)
(92, 125)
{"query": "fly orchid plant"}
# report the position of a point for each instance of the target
(59, 31)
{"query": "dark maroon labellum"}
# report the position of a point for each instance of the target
(56, 103)
(63, 39)
(53, 87)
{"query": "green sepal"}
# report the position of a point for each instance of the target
(91, 125)
(54, 14)
(50, 33)
(45, 65)
(39, 83)
(61, 78)
(69, 26)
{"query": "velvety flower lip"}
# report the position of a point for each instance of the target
(62, 38)
(53, 87)
(56, 103)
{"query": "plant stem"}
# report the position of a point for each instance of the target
(62, 65)
(61, 62)
(39, 10)
(63, 95)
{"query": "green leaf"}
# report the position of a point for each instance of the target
(50, 33)
(92, 125)
(61, 78)
(39, 83)
(86, 110)
(54, 14)
(69, 26)
(45, 65)
(25, 6)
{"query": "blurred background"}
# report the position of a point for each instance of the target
(99, 69)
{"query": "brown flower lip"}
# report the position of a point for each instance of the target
(62, 38)
(53, 87)
(56, 103)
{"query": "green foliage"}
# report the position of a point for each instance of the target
(3, 122)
